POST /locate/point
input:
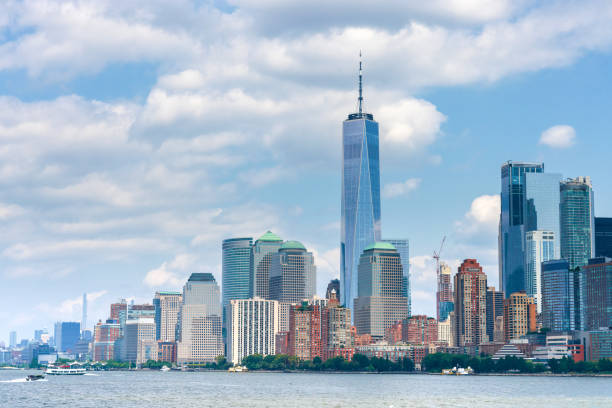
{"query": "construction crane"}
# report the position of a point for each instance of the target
(436, 256)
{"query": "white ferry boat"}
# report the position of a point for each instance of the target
(65, 370)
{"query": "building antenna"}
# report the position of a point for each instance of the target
(360, 86)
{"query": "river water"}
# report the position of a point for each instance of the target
(220, 389)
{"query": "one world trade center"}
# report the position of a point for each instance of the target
(360, 224)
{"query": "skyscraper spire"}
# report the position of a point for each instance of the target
(360, 87)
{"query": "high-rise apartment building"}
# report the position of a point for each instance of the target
(237, 265)
(444, 295)
(336, 338)
(118, 311)
(200, 336)
(360, 205)
(304, 335)
(446, 332)
(420, 329)
(495, 308)
(403, 248)
(139, 342)
(66, 335)
(603, 237)
(264, 250)
(470, 304)
(512, 224)
(519, 315)
(167, 306)
(105, 335)
(597, 294)
(380, 303)
(577, 221)
(292, 273)
(252, 328)
(558, 306)
(539, 247)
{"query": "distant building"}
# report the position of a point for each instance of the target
(167, 306)
(304, 336)
(263, 250)
(200, 337)
(380, 302)
(166, 351)
(336, 338)
(495, 308)
(105, 335)
(237, 269)
(333, 285)
(420, 329)
(403, 248)
(66, 336)
(12, 339)
(118, 311)
(519, 315)
(603, 237)
(597, 293)
(444, 295)
(470, 304)
(600, 344)
(498, 330)
(144, 310)
(397, 352)
(557, 295)
(446, 332)
(577, 221)
(252, 328)
(140, 342)
(540, 247)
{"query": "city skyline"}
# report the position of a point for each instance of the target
(129, 186)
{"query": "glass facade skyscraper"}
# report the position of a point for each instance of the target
(237, 269)
(577, 221)
(541, 205)
(558, 307)
(512, 224)
(540, 247)
(360, 212)
(603, 237)
(264, 249)
(403, 248)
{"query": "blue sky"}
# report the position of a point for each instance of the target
(135, 137)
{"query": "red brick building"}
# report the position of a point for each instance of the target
(305, 331)
(105, 335)
(420, 329)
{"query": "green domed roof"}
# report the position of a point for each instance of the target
(380, 245)
(293, 245)
(270, 237)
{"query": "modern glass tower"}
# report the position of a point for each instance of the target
(360, 218)
(577, 221)
(558, 307)
(512, 224)
(603, 237)
(237, 269)
(264, 249)
(540, 247)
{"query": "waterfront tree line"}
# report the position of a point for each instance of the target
(358, 363)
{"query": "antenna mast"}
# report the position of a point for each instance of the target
(360, 87)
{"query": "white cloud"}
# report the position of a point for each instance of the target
(482, 218)
(172, 273)
(10, 211)
(398, 189)
(560, 137)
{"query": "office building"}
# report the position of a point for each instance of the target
(166, 351)
(140, 342)
(292, 273)
(360, 202)
(304, 337)
(252, 328)
(333, 286)
(263, 250)
(540, 247)
(12, 339)
(446, 332)
(495, 309)
(541, 205)
(403, 248)
(105, 335)
(444, 295)
(600, 344)
(512, 224)
(470, 304)
(200, 335)
(118, 311)
(380, 303)
(557, 296)
(142, 310)
(519, 315)
(420, 329)
(66, 335)
(577, 221)
(336, 338)
(84, 312)
(603, 237)
(167, 306)
(597, 293)
(237, 265)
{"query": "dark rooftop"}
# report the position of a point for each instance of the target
(201, 277)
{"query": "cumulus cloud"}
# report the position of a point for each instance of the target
(482, 218)
(398, 189)
(172, 273)
(560, 137)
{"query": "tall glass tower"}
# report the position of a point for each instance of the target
(360, 218)
(403, 248)
(577, 221)
(512, 224)
(237, 269)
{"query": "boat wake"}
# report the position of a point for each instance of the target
(92, 375)
(20, 380)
